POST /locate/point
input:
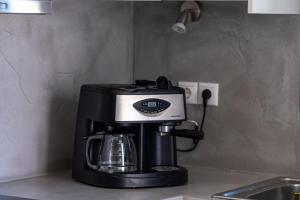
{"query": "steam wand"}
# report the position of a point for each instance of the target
(198, 133)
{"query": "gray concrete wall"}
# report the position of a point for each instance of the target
(255, 60)
(43, 62)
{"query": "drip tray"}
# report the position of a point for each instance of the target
(4, 197)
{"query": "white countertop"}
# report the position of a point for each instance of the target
(203, 182)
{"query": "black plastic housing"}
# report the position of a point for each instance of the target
(96, 111)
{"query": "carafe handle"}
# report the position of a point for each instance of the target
(87, 147)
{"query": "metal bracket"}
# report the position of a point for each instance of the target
(193, 8)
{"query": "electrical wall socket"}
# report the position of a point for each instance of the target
(214, 88)
(191, 91)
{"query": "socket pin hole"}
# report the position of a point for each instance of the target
(188, 92)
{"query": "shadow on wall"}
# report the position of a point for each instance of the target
(61, 129)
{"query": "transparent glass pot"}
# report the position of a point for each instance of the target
(117, 153)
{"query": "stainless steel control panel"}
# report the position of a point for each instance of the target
(137, 108)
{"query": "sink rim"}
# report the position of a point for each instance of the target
(243, 193)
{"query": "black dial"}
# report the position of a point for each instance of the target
(151, 106)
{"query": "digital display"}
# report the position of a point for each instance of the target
(152, 104)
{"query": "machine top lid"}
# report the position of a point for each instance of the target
(161, 86)
(129, 89)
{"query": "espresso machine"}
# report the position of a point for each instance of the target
(126, 135)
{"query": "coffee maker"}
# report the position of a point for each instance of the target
(148, 114)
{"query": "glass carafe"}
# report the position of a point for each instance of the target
(117, 153)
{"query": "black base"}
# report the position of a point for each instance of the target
(145, 179)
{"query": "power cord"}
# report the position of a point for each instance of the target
(206, 94)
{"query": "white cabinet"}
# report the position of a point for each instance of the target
(270, 6)
(274, 6)
(26, 6)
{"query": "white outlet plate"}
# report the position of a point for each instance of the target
(214, 88)
(191, 91)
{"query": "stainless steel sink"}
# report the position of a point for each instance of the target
(280, 188)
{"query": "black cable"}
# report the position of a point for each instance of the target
(190, 149)
(203, 117)
(206, 94)
(196, 142)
